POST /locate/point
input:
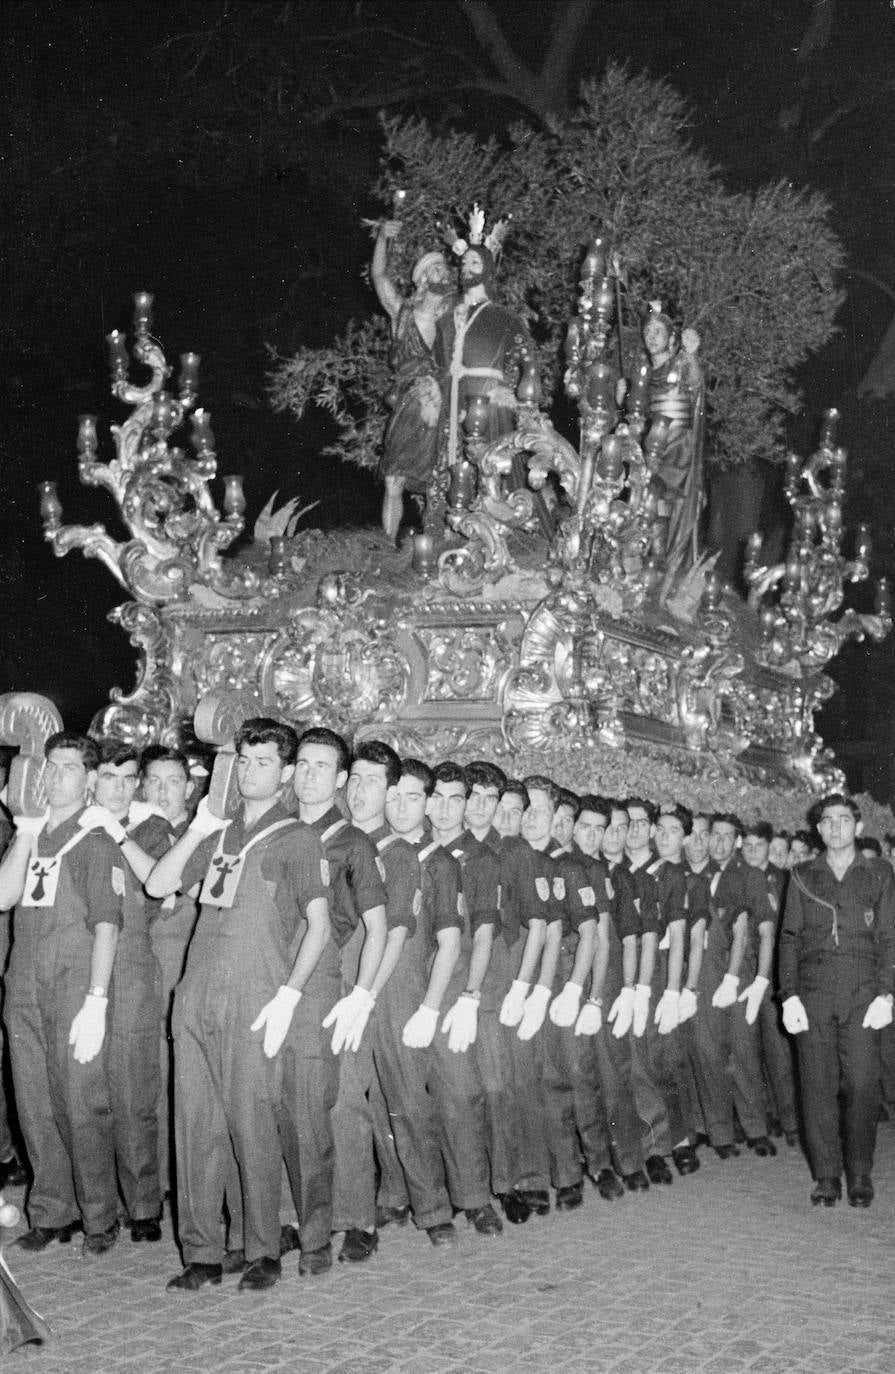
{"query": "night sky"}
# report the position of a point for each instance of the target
(141, 156)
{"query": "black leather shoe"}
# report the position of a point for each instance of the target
(260, 1274)
(536, 1199)
(485, 1220)
(445, 1233)
(515, 1208)
(791, 1138)
(686, 1160)
(567, 1199)
(637, 1182)
(146, 1229)
(39, 1237)
(761, 1146)
(194, 1277)
(313, 1262)
(234, 1262)
(289, 1240)
(658, 1171)
(100, 1242)
(827, 1191)
(860, 1190)
(358, 1246)
(386, 1215)
(12, 1174)
(609, 1185)
(727, 1151)
(774, 1128)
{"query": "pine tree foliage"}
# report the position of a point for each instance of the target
(754, 273)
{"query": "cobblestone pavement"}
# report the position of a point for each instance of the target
(729, 1270)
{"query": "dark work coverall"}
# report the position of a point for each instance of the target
(405, 1123)
(134, 1070)
(525, 896)
(614, 1055)
(171, 924)
(356, 881)
(837, 946)
(227, 1092)
(776, 1046)
(745, 1043)
(440, 885)
(64, 1107)
(659, 1061)
(576, 1119)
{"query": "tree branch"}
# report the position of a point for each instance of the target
(520, 80)
(568, 27)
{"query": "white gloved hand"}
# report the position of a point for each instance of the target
(590, 1019)
(536, 1004)
(88, 1029)
(513, 1005)
(140, 811)
(621, 1013)
(752, 996)
(564, 1008)
(276, 1018)
(100, 818)
(687, 1005)
(725, 993)
(419, 1031)
(30, 825)
(795, 1017)
(461, 1023)
(878, 1014)
(205, 822)
(642, 992)
(349, 1016)
(668, 1012)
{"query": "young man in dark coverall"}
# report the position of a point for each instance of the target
(837, 948)
(357, 913)
(260, 972)
(134, 1069)
(67, 884)
(459, 1083)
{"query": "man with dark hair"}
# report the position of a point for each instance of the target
(837, 949)
(134, 1069)
(67, 885)
(775, 1047)
(259, 974)
(359, 930)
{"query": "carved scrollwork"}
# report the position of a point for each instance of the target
(151, 711)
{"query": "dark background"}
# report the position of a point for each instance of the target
(220, 156)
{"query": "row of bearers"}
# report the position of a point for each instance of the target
(417, 995)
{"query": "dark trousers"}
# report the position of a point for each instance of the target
(576, 1118)
(310, 1085)
(134, 1076)
(776, 1053)
(745, 1072)
(354, 1180)
(456, 1085)
(839, 1061)
(707, 1041)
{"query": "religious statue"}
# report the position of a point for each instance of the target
(480, 347)
(677, 394)
(411, 436)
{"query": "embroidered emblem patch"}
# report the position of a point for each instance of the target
(588, 896)
(542, 887)
(417, 902)
(324, 872)
(868, 917)
(118, 881)
(559, 889)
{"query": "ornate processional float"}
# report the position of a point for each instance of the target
(555, 612)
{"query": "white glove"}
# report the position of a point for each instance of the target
(752, 996)
(536, 1004)
(276, 1018)
(461, 1023)
(140, 811)
(349, 1016)
(590, 1019)
(30, 825)
(101, 818)
(419, 1032)
(564, 1008)
(878, 1014)
(725, 993)
(205, 822)
(622, 1013)
(642, 993)
(668, 1012)
(88, 1029)
(795, 1017)
(513, 1005)
(687, 1005)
